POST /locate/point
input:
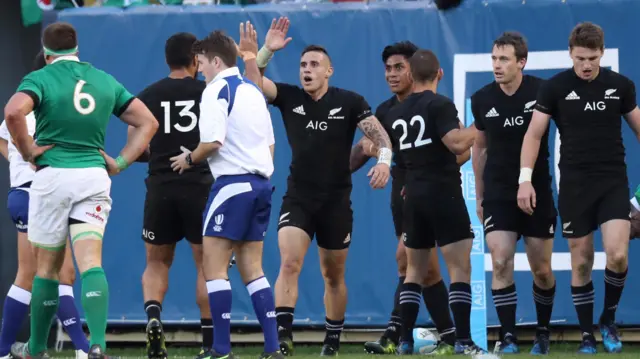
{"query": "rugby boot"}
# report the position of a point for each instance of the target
(468, 347)
(508, 345)
(211, 354)
(329, 350)
(610, 338)
(96, 352)
(588, 344)
(21, 351)
(381, 346)
(443, 349)
(404, 348)
(156, 348)
(541, 343)
(286, 346)
(274, 355)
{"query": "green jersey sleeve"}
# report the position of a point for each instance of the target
(32, 86)
(635, 200)
(123, 97)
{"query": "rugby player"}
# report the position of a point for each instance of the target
(174, 202)
(69, 193)
(502, 112)
(237, 140)
(586, 102)
(430, 136)
(395, 58)
(16, 304)
(320, 122)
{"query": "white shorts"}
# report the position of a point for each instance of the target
(59, 194)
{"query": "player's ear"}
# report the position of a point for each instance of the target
(329, 71)
(440, 74)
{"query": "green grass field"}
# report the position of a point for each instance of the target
(351, 351)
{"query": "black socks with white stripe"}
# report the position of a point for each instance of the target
(410, 299)
(506, 301)
(613, 286)
(460, 304)
(583, 301)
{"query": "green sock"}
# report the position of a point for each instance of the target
(44, 305)
(95, 302)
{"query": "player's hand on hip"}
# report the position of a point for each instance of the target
(248, 44)
(479, 210)
(36, 151)
(526, 198)
(276, 38)
(179, 163)
(379, 175)
(112, 165)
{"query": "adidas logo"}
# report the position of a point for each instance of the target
(492, 113)
(572, 96)
(299, 110)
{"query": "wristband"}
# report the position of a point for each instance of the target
(264, 56)
(189, 160)
(121, 163)
(384, 156)
(525, 175)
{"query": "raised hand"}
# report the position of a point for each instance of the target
(276, 38)
(248, 44)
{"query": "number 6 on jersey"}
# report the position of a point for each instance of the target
(78, 96)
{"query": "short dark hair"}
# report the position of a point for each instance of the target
(405, 49)
(516, 40)
(178, 50)
(218, 44)
(587, 34)
(424, 66)
(316, 48)
(60, 36)
(39, 62)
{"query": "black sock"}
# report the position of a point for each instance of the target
(506, 301)
(436, 299)
(613, 286)
(409, 308)
(460, 303)
(544, 305)
(284, 318)
(394, 327)
(583, 301)
(153, 308)
(333, 331)
(206, 328)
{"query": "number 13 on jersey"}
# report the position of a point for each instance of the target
(184, 112)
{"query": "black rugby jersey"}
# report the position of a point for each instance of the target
(588, 117)
(381, 114)
(175, 103)
(320, 134)
(504, 120)
(419, 123)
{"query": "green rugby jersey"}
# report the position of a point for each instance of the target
(73, 104)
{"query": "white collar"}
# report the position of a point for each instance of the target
(231, 71)
(66, 58)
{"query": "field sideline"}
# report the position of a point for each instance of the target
(353, 351)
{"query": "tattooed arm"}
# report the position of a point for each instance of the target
(372, 128)
(361, 152)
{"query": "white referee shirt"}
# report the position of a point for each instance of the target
(20, 171)
(233, 111)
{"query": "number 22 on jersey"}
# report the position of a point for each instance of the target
(420, 140)
(184, 112)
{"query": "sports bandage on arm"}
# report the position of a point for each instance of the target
(525, 175)
(635, 199)
(264, 56)
(385, 155)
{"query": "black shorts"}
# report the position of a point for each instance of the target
(173, 212)
(584, 208)
(438, 219)
(397, 202)
(505, 215)
(329, 218)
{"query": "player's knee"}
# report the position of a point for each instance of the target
(291, 267)
(67, 273)
(502, 267)
(542, 272)
(24, 277)
(433, 275)
(333, 276)
(617, 260)
(582, 265)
